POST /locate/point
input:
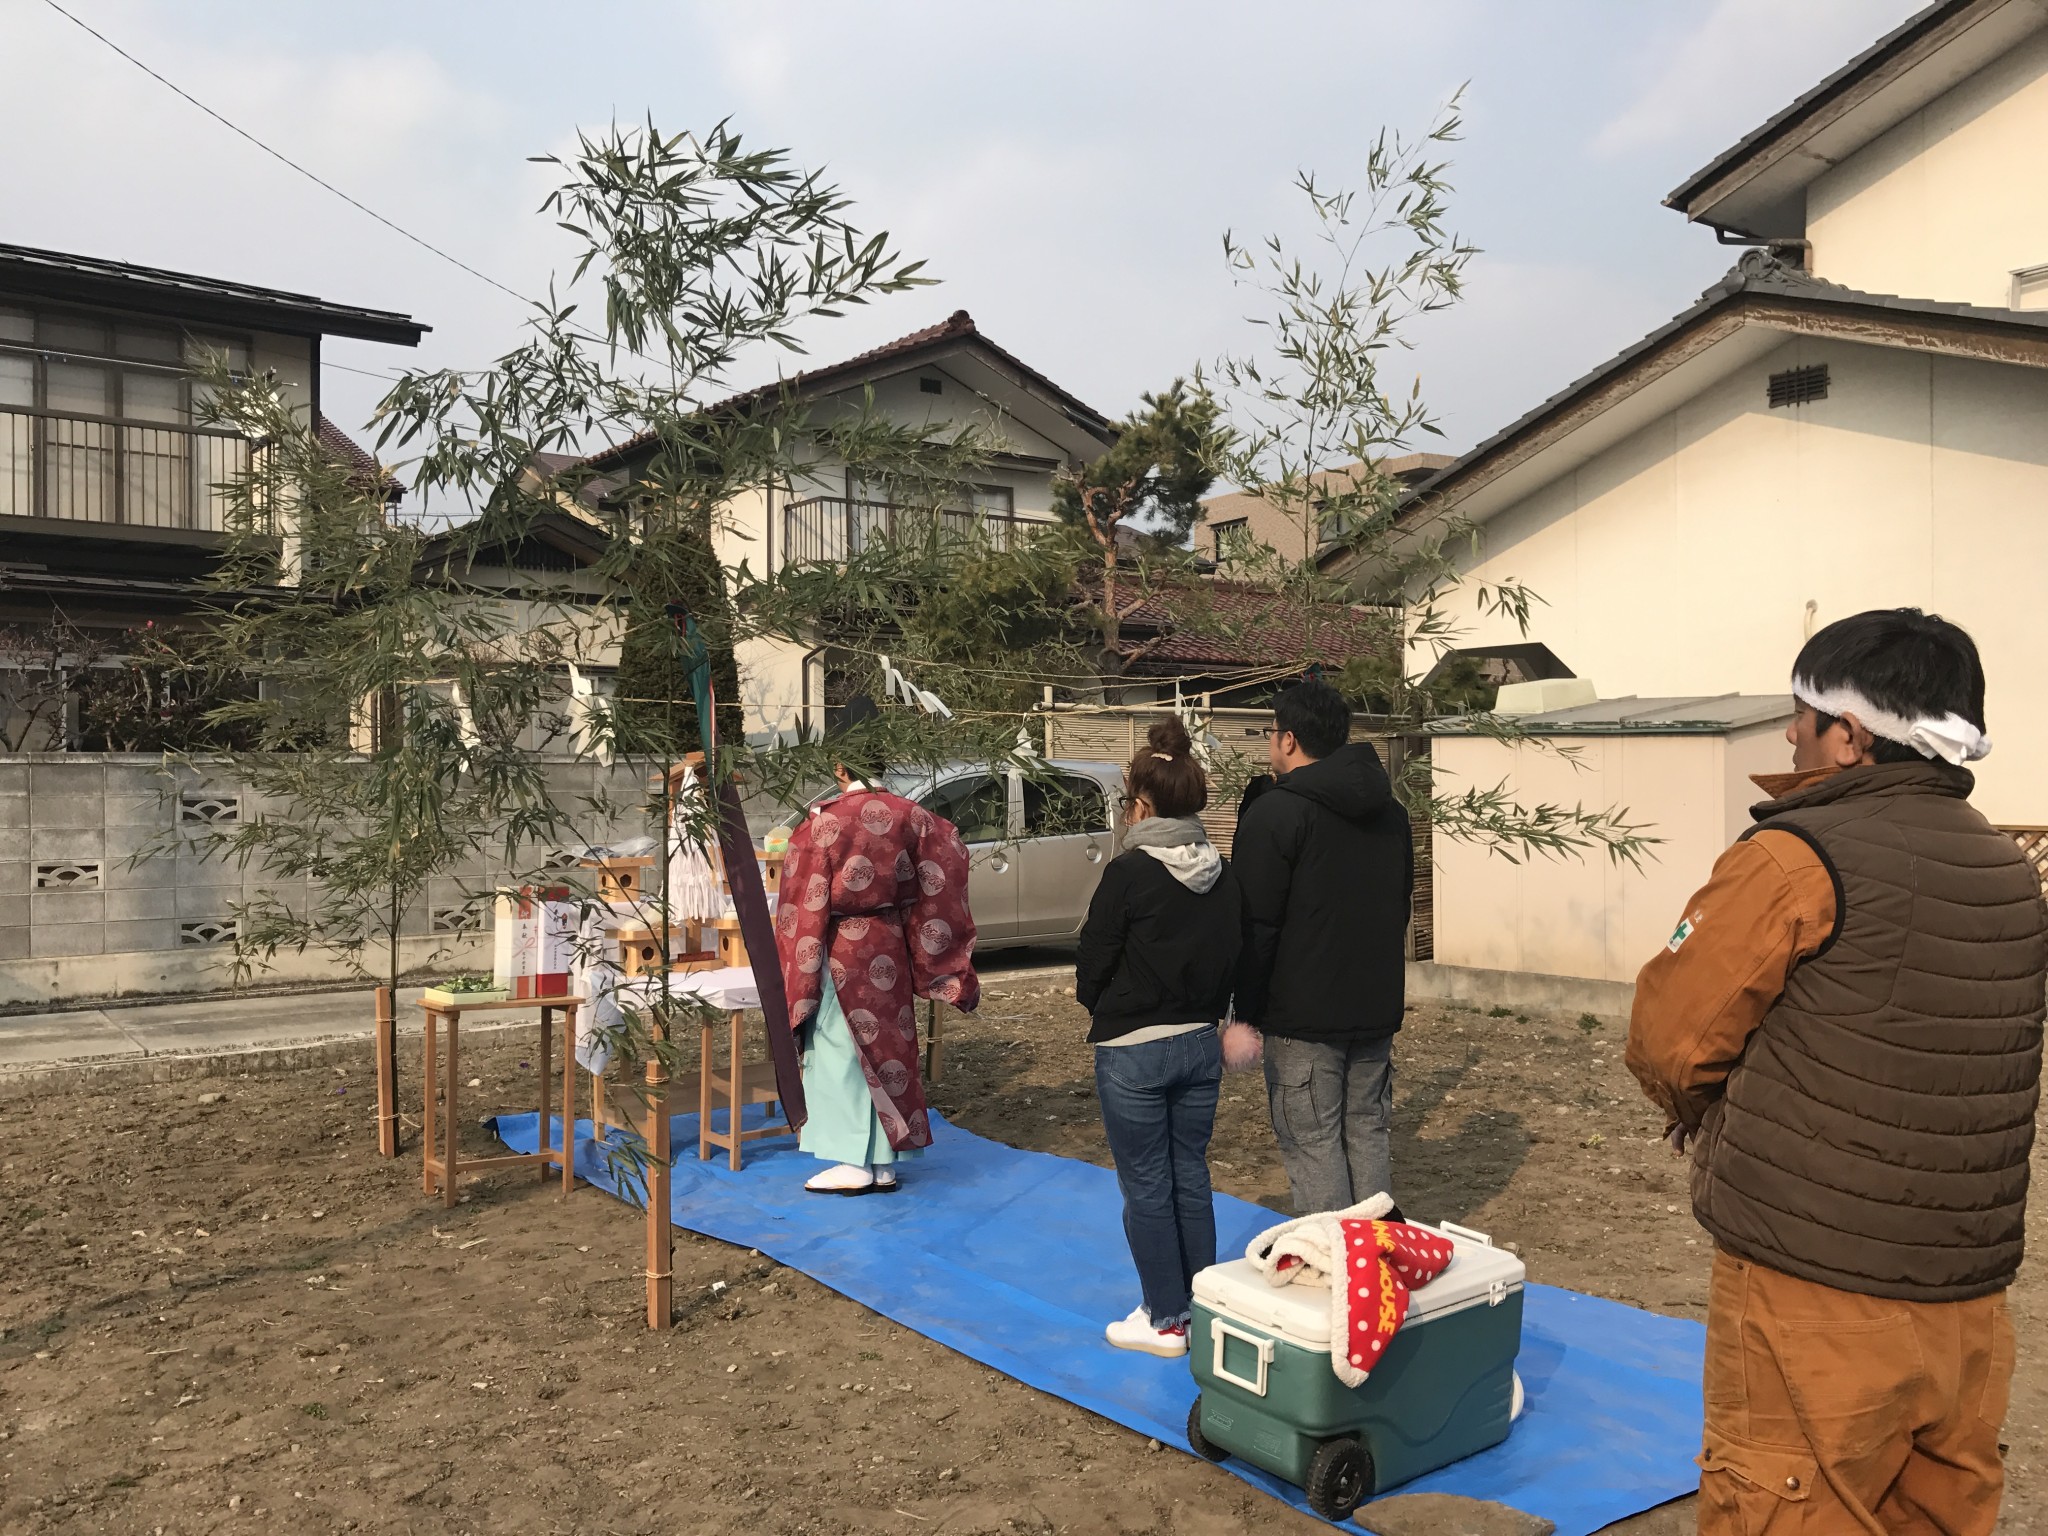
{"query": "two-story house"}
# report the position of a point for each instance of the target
(1237, 523)
(1856, 416)
(933, 379)
(109, 507)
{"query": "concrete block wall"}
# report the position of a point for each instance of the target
(106, 886)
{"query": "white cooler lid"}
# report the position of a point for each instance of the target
(1301, 1313)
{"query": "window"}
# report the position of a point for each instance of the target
(96, 418)
(930, 386)
(1798, 386)
(1064, 807)
(978, 806)
(1233, 534)
(2030, 288)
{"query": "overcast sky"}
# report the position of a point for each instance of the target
(1067, 168)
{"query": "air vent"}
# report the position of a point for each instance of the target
(1798, 386)
(930, 386)
(75, 876)
(212, 930)
(206, 809)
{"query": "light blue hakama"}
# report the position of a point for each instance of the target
(843, 1126)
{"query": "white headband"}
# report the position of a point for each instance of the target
(1950, 738)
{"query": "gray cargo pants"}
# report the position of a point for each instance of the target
(1333, 1111)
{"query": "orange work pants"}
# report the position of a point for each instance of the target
(1831, 1412)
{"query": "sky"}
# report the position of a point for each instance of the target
(1067, 169)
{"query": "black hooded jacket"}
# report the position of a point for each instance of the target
(1326, 865)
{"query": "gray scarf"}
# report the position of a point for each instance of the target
(1181, 844)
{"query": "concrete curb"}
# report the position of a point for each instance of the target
(143, 1068)
(1429, 982)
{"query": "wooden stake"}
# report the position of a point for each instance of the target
(661, 1280)
(385, 1044)
(430, 1080)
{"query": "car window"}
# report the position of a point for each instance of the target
(1064, 806)
(979, 806)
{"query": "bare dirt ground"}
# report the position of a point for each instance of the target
(229, 1315)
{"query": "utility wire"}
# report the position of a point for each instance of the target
(283, 159)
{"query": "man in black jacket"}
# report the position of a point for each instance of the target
(1326, 865)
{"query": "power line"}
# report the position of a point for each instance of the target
(283, 159)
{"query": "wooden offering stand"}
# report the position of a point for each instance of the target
(443, 1164)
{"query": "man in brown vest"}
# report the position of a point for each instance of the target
(1846, 1028)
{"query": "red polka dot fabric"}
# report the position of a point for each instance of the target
(1383, 1262)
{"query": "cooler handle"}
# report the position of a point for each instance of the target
(1465, 1232)
(1219, 1330)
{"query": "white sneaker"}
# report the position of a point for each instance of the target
(1136, 1332)
(842, 1179)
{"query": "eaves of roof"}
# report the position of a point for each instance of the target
(1856, 83)
(61, 276)
(957, 328)
(1758, 288)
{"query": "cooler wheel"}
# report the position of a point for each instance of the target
(1200, 1443)
(1339, 1479)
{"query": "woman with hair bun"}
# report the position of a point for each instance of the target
(1155, 965)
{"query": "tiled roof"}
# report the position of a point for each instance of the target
(356, 458)
(1259, 628)
(958, 326)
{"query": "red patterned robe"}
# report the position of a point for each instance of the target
(875, 889)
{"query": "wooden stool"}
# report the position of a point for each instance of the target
(742, 1083)
(445, 1165)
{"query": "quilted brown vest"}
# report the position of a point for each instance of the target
(1874, 1136)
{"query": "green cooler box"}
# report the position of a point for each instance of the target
(1446, 1388)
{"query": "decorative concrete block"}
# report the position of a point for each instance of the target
(61, 907)
(51, 939)
(46, 811)
(124, 938)
(135, 905)
(46, 844)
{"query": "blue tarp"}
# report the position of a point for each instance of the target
(1017, 1259)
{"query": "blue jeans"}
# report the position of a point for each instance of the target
(1159, 1108)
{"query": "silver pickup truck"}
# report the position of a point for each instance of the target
(1037, 845)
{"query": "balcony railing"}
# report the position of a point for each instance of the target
(827, 529)
(120, 474)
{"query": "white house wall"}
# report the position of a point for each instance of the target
(290, 360)
(1590, 916)
(1681, 561)
(1951, 201)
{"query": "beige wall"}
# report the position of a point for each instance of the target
(1681, 561)
(1950, 202)
(1591, 917)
